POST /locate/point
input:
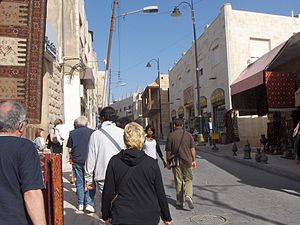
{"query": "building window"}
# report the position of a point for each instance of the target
(258, 47)
(216, 55)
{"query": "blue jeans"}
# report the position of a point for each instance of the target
(82, 195)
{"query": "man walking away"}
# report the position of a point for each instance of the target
(21, 181)
(78, 147)
(104, 143)
(181, 143)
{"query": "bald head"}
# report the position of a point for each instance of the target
(11, 115)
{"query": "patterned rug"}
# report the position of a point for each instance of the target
(22, 33)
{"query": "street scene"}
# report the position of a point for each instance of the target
(149, 112)
(227, 190)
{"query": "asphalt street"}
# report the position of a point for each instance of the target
(225, 192)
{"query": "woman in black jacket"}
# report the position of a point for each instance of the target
(133, 191)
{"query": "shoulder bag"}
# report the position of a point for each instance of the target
(175, 158)
(111, 138)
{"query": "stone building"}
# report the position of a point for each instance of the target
(126, 109)
(155, 105)
(233, 40)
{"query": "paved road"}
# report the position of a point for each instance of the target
(225, 192)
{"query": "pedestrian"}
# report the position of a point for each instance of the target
(180, 144)
(104, 143)
(151, 146)
(78, 147)
(209, 129)
(21, 181)
(56, 140)
(39, 141)
(133, 190)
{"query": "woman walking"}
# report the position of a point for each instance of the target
(151, 146)
(133, 190)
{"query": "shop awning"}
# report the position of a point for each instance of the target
(253, 75)
(289, 57)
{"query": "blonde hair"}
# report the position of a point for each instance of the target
(134, 136)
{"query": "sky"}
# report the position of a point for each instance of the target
(141, 37)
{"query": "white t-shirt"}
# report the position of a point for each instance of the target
(150, 148)
(210, 125)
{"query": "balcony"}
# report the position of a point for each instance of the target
(150, 100)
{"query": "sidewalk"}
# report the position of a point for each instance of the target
(276, 164)
(71, 215)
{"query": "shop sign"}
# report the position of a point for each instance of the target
(50, 40)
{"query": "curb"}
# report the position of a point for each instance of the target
(271, 169)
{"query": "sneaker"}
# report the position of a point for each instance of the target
(80, 207)
(189, 201)
(89, 209)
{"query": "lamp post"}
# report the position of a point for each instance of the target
(176, 12)
(159, 93)
(148, 9)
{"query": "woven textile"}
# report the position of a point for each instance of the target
(53, 194)
(22, 33)
(281, 87)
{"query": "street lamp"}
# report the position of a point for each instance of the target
(148, 9)
(159, 93)
(176, 12)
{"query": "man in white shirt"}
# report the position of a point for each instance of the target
(104, 143)
(210, 130)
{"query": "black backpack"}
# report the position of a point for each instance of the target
(51, 143)
(48, 141)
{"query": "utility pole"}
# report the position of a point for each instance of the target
(112, 25)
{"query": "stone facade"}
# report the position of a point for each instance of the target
(232, 41)
(152, 109)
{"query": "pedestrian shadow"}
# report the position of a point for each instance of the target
(254, 176)
(71, 215)
(247, 176)
(217, 203)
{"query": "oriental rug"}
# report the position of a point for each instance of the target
(22, 33)
(53, 193)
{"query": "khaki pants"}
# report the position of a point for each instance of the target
(183, 177)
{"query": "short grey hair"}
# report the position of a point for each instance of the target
(81, 121)
(11, 115)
